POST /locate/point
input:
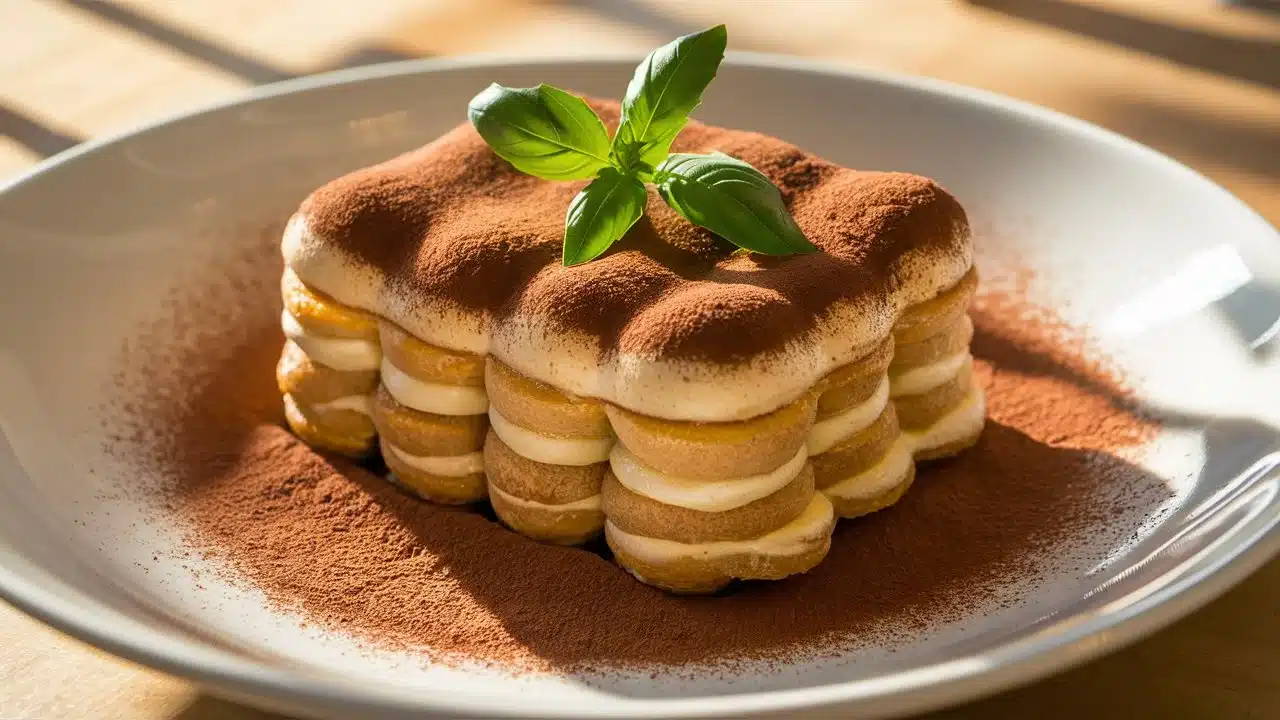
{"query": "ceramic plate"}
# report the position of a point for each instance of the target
(1179, 282)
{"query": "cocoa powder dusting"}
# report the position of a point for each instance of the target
(454, 222)
(349, 551)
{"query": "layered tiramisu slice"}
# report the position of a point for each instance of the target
(430, 415)
(707, 353)
(545, 457)
(931, 378)
(860, 459)
(328, 370)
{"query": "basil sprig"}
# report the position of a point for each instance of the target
(731, 199)
(548, 133)
(601, 214)
(542, 131)
(665, 88)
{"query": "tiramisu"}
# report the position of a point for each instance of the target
(712, 410)
(328, 370)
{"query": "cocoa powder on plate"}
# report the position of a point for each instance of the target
(337, 543)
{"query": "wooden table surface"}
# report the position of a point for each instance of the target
(1197, 79)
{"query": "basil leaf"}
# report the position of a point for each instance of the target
(601, 214)
(731, 199)
(543, 131)
(666, 87)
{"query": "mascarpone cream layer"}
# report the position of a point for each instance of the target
(961, 423)
(588, 503)
(359, 403)
(924, 378)
(879, 478)
(794, 538)
(830, 432)
(547, 449)
(704, 495)
(432, 397)
(346, 354)
(444, 465)
(661, 387)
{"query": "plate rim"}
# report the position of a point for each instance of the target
(920, 689)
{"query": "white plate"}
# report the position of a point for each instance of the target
(1180, 280)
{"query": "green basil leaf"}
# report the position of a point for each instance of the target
(543, 131)
(666, 87)
(731, 199)
(601, 214)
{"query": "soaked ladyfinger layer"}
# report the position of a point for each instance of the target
(835, 429)
(311, 383)
(717, 451)
(933, 316)
(854, 498)
(552, 503)
(343, 431)
(950, 341)
(919, 411)
(922, 379)
(339, 353)
(864, 481)
(427, 434)
(550, 449)
(428, 363)
(532, 404)
(641, 515)
(449, 481)
(321, 315)
(432, 397)
(538, 482)
(565, 524)
(697, 493)
(854, 383)
(706, 567)
(859, 452)
(957, 430)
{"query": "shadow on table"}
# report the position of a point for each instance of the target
(34, 135)
(46, 141)
(224, 58)
(207, 707)
(1255, 60)
(1193, 132)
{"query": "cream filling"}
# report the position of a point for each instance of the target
(831, 431)
(927, 377)
(704, 495)
(443, 465)
(437, 398)
(359, 403)
(588, 503)
(794, 538)
(879, 478)
(547, 449)
(960, 423)
(346, 354)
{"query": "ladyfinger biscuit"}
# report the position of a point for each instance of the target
(310, 382)
(719, 451)
(467, 486)
(531, 404)
(320, 314)
(933, 316)
(427, 434)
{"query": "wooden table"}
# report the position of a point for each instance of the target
(1197, 79)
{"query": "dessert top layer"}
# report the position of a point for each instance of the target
(458, 247)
